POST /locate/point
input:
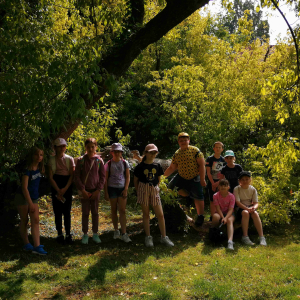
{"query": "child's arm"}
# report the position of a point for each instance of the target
(173, 167)
(80, 186)
(26, 194)
(71, 173)
(219, 211)
(127, 180)
(229, 214)
(52, 182)
(201, 164)
(136, 182)
(101, 182)
(106, 196)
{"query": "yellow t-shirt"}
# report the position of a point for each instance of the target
(187, 162)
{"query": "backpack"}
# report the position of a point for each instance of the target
(216, 235)
(52, 162)
(109, 165)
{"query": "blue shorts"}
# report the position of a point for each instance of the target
(114, 192)
(192, 186)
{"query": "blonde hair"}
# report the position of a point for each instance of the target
(33, 151)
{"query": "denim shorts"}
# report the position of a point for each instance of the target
(192, 186)
(114, 192)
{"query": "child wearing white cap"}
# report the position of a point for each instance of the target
(116, 187)
(147, 177)
(61, 169)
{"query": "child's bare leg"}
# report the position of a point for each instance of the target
(114, 210)
(216, 220)
(183, 193)
(146, 218)
(199, 204)
(257, 223)
(23, 212)
(212, 208)
(122, 206)
(230, 229)
(35, 225)
(245, 222)
(161, 219)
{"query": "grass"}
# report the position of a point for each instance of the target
(193, 269)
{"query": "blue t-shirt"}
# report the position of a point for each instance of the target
(33, 183)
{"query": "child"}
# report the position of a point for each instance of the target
(27, 202)
(116, 186)
(224, 203)
(146, 181)
(247, 201)
(61, 168)
(231, 171)
(214, 165)
(90, 179)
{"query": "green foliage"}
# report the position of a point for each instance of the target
(273, 168)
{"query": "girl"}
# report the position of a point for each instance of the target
(247, 201)
(146, 181)
(224, 203)
(61, 168)
(231, 171)
(116, 186)
(90, 179)
(27, 202)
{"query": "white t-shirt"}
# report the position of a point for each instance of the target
(245, 196)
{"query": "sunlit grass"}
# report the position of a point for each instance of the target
(193, 269)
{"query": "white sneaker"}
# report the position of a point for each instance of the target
(125, 238)
(149, 241)
(230, 245)
(247, 241)
(96, 238)
(262, 241)
(166, 241)
(116, 234)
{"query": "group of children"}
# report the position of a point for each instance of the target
(232, 197)
(91, 176)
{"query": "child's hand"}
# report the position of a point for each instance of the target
(202, 182)
(95, 195)
(124, 193)
(224, 220)
(85, 195)
(62, 191)
(106, 196)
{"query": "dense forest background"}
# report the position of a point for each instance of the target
(142, 71)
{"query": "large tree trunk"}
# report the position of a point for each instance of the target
(125, 51)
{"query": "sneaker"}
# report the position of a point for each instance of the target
(69, 239)
(125, 238)
(149, 241)
(60, 240)
(39, 250)
(96, 238)
(165, 240)
(85, 239)
(199, 221)
(247, 241)
(116, 234)
(230, 245)
(28, 247)
(262, 241)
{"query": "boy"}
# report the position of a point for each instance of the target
(231, 171)
(214, 165)
(247, 201)
(90, 179)
(190, 164)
